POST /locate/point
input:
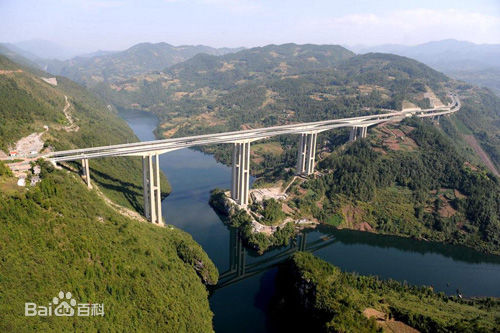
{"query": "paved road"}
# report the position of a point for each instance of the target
(162, 146)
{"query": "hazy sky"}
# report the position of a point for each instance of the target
(88, 25)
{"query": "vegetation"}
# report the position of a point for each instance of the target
(275, 85)
(4, 170)
(29, 103)
(428, 193)
(313, 295)
(240, 219)
(121, 66)
(59, 235)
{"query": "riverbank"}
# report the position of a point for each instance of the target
(314, 295)
(264, 223)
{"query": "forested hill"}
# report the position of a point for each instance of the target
(278, 84)
(257, 63)
(59, 235)
(313, 295)
(118, 66)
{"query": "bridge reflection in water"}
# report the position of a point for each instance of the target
(239, 270)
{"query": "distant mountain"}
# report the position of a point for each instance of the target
(275, 84)
(97, 53)
(46, 49)
(259, 62)
(116, 66)
(17, 55)
(474, 63)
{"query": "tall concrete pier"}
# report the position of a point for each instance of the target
(358, 131)
(86, 171)
(152, 190)
(240, 182)
(306, 153)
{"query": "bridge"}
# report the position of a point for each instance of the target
(241, 140)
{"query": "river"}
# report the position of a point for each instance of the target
(240, 302)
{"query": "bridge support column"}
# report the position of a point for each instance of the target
(240, 184)
(152, 189)
(354, 134)
(145, 186)
(307, 153)
(86, 171)
(364, 131)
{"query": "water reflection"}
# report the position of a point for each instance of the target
(443, 266)
(455, 252)
(240, 270)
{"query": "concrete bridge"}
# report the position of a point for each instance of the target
(241, 140)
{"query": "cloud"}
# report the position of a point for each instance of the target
(408, 27)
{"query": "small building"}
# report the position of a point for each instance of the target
(33, 152)
(21, 182)
(13, 153)
(36, 170)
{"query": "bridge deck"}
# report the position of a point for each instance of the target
(162, 146)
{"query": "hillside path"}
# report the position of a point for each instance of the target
(72, 126)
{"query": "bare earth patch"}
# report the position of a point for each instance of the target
(50, 80)
(435, 101)
(446, 210)
(3, 71)
(388, 325)
(395, 138)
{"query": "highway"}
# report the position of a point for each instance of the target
(166, 145)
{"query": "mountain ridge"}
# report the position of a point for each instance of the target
(473, 63)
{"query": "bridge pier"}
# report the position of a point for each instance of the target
(240, 182)
(152, 190)
(86, 171)
(354, 134)
(306, 153)
(355, 130)
(364, 131)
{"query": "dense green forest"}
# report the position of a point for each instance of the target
(313, 295)
(59, 235)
